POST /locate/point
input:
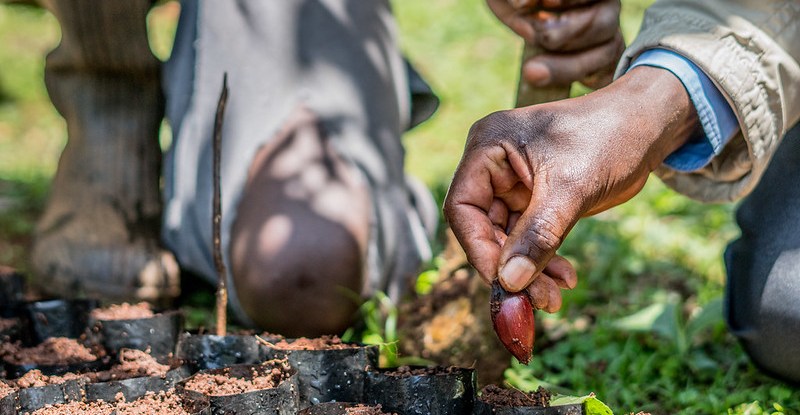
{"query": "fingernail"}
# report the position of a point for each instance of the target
(516, 273)
(536, 74)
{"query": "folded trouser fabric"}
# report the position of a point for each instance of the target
(764, 266)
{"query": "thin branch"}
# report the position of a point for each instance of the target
(219, 263)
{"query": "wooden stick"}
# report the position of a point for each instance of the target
(219, 263)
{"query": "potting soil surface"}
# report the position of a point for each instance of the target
(82, 408)
(51, 352)
(5, 389)
(35, 379)
(162, 403)
(366, 410)
(319, 343)
(407, 371)
(224, 384)
(133, 363)
(498, 396)
(7, 323)
(123, 311)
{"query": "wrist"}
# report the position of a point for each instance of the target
(655, 103)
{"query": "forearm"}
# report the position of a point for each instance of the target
(749, 49)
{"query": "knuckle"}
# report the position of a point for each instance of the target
(543, 236)
(489, 128)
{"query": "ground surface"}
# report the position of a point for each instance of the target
(657, 258)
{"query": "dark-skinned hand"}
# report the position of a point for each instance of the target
(528, 174)
(581, 39)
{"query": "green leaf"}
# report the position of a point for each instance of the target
(591, 405)
(659, 318)
(426, 280)
(708, 317)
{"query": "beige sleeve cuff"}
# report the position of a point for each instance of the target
(754, 66)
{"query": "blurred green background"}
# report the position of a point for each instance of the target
(644, 328)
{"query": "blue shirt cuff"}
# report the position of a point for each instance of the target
(716, 116)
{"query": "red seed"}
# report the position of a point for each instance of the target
(512, 317)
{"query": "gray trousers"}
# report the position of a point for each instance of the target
(337, 58)
(763, 291)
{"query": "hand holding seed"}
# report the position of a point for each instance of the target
(529, 174)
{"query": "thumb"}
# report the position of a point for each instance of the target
(535, 238)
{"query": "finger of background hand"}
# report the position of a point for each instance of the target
(545, 294)
(513, 18)
(563, 69)
(562, 272)
(577, 29)
(564, 4)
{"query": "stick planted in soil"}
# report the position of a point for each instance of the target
(222, 287)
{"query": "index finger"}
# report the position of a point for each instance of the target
(466, 209)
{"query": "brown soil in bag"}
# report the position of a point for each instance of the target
(317, 343)
(365, 410)
(35, 379)
(498, 396)
(52, 352)
(223, 384)
(123, 311)
(406, 371)
(162, 403)
(76, 408)
(133, 364)
(5, 389)
(7, 323)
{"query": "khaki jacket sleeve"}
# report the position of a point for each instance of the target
(751, 50)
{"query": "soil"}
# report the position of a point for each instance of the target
(52, 352)
(365, 410)
(498, 396)
(7, 323)
(162, 403)
(77, 408)
(133, 364)
(407, 371)
(224, 384)
(123, 311)
(318, 343)
(35, 379)
(5, 389)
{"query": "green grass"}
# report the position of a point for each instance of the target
(660, 253)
